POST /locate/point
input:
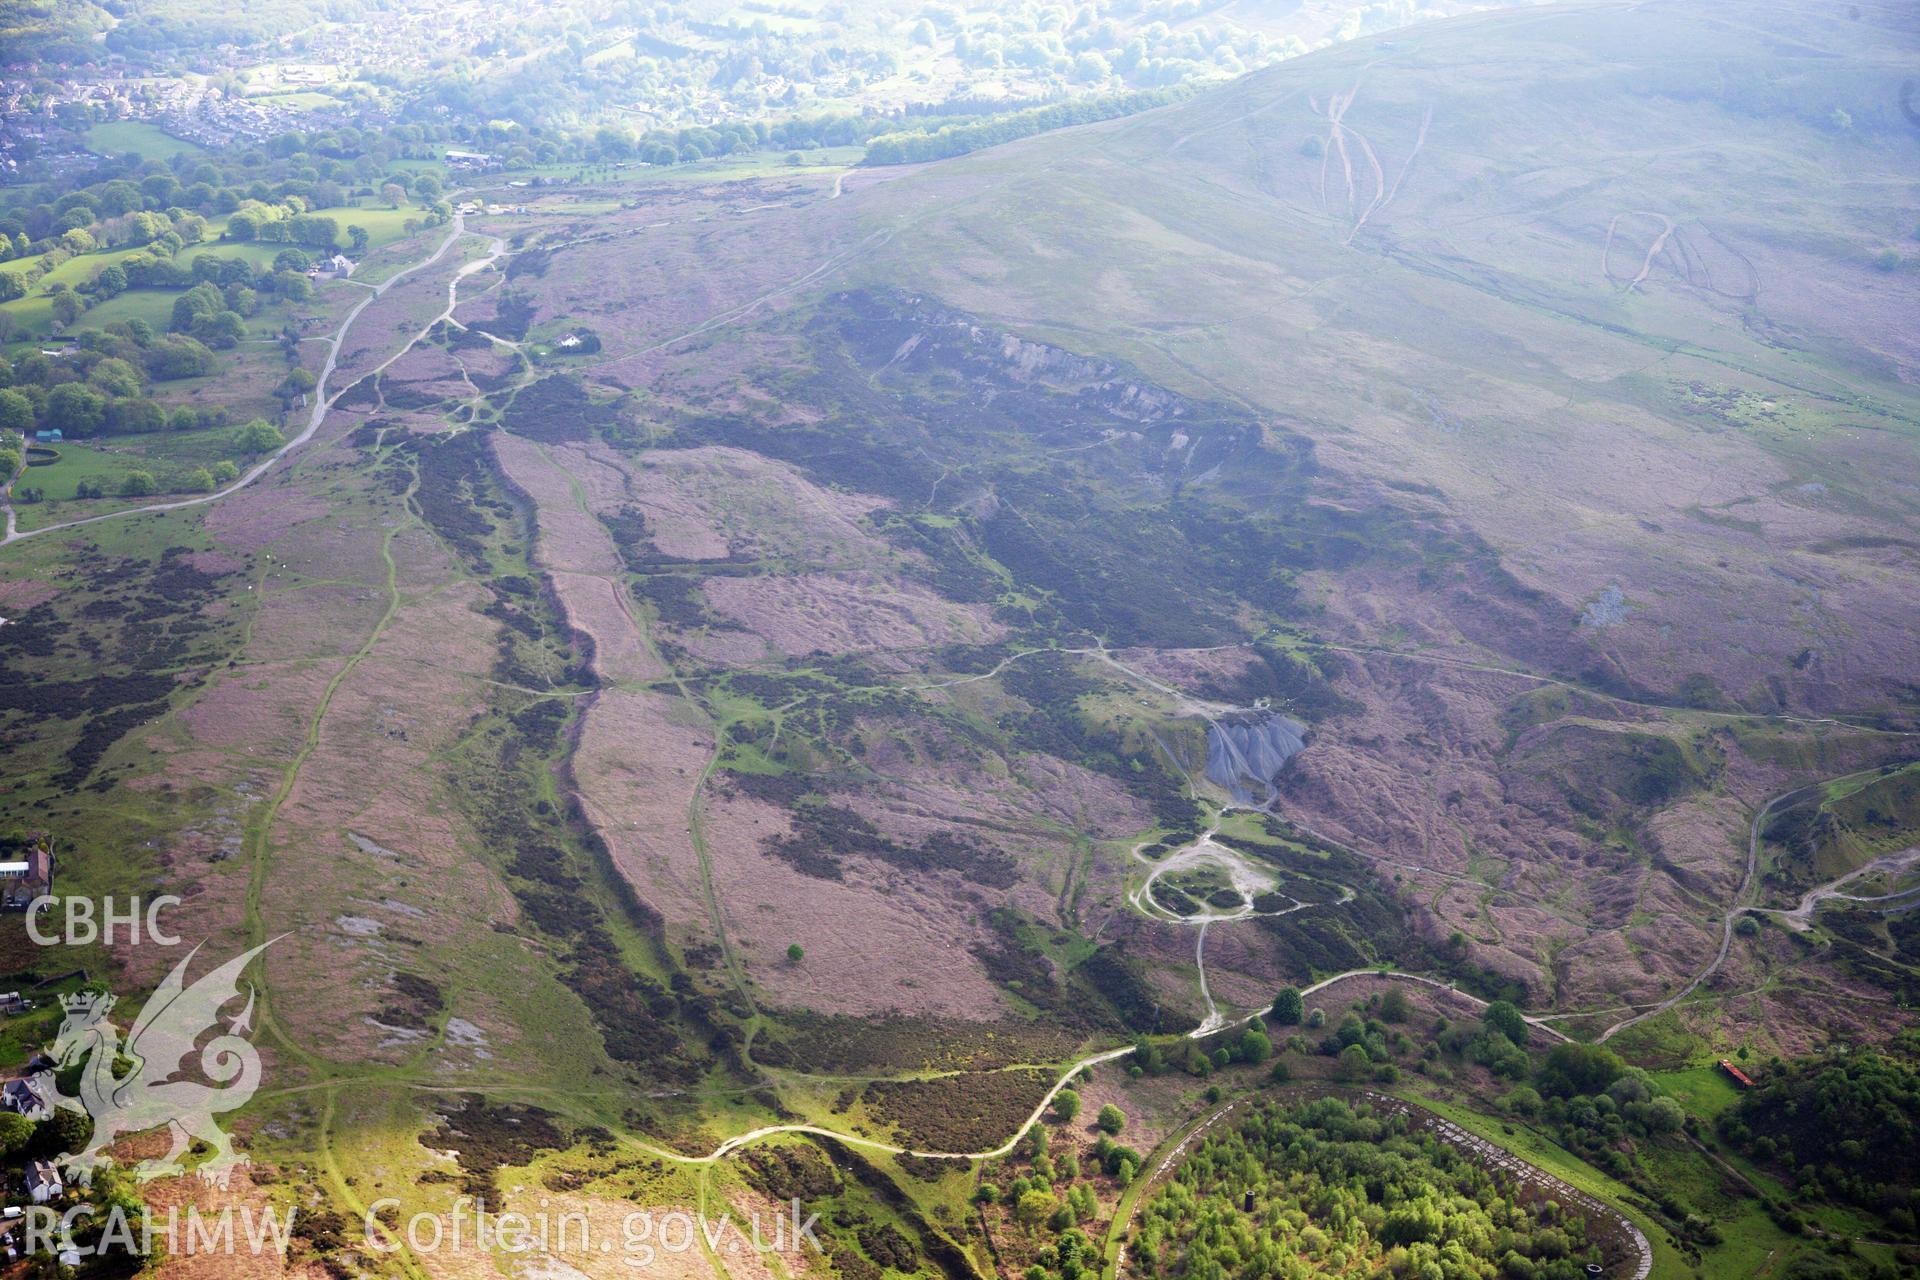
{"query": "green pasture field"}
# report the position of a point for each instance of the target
(1704, 1090)
(149, 142)
(169, 457)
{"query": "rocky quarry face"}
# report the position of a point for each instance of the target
(1247, 749)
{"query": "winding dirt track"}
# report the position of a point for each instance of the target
(1799, 917)
(1653, 251)
(1737, 909)
(735, 1143)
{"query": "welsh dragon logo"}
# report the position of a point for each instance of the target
(141, 1083)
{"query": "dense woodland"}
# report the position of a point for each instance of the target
(1318, 1188)
(263, 193)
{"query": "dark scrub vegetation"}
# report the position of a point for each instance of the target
(1055, 726)
(554, 410)
(935, 142)
(88, 666)
(824, 834)
(1632, 772)
(486, 1136)
(1845, 1125)
(959, 1113)
(1878, 947)
(1116, 540)
(1106, 991)
(557, 868)
(1302, 685)
(844, 1043)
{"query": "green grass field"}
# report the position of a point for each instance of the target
(58, 481)
(1752, 1242)
(144, 140)
(75, 271)
(259, 254)
(78, 462)
(169, 457)
(1704, 1090)
(155, 306)
(758, 164)
(383, 226)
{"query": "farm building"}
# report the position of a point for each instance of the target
(1736, 1075)
(24, 879)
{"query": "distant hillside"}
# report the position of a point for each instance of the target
(1629, 288)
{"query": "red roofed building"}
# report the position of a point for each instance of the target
(1738, 1076)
